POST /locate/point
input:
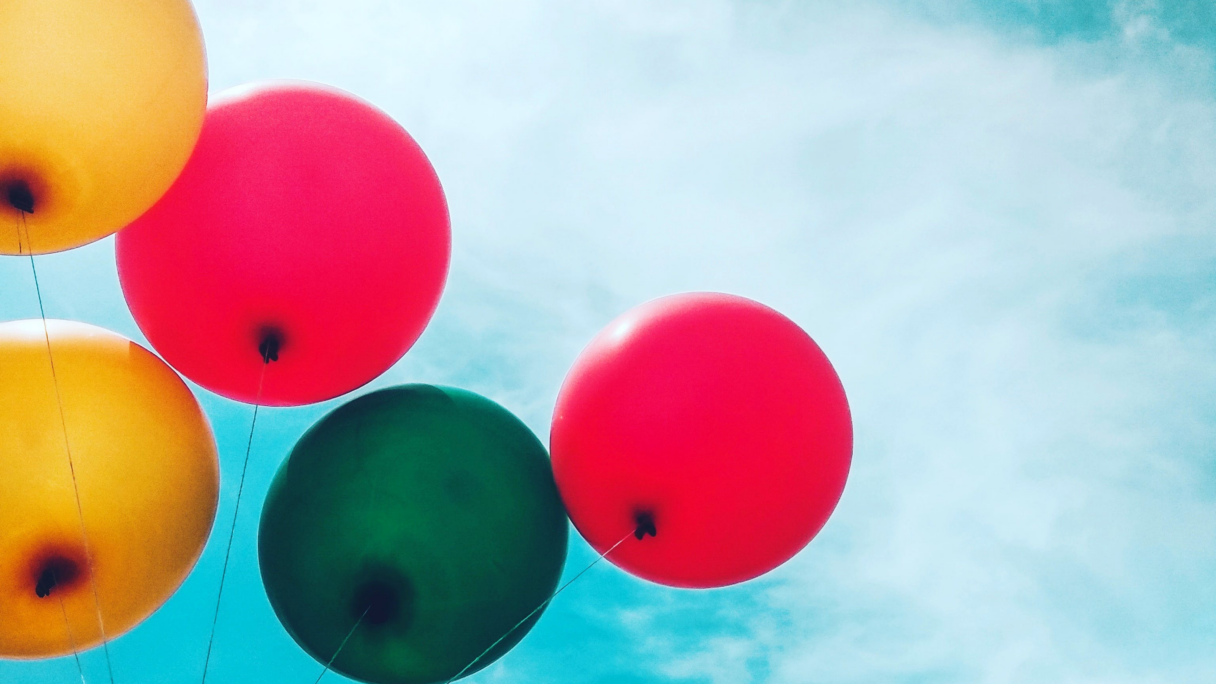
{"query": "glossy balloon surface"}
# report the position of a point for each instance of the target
(716, 418)
(431, 508)
(100, 105)
(304, 215)
(145, 465)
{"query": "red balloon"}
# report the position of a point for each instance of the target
(712, 417)
(305, 220)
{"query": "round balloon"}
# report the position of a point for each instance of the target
(100, 105)
(308, 227)
(430, 513)
(711, 426)
(143, 461)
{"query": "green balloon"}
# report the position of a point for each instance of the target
(432, 509)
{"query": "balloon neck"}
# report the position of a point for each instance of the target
(645, 525)
(269, 347)
(19, 196)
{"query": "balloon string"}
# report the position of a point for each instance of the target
(342, 645)
(88, 553)
(539, 608)
(71, 638)
(232, 531)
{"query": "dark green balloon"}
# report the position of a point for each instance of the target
(433, 509)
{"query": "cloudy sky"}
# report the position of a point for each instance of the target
(996, 217)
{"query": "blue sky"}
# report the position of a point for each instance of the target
(995, 217)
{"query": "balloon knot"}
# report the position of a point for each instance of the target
(20, 197)
(386, 597)
(56, 571)
(269, 347)
(645, 526)
(46, 582)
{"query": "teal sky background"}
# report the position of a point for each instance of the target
(995, 217)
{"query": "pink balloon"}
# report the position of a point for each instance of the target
(710, 425)
(307, 225)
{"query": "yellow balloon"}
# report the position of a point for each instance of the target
(145, 467)
(101, 102)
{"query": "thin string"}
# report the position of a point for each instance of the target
(539, 608)
(342, 645)
(88, 553)
(71, 637)
(232, 531)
